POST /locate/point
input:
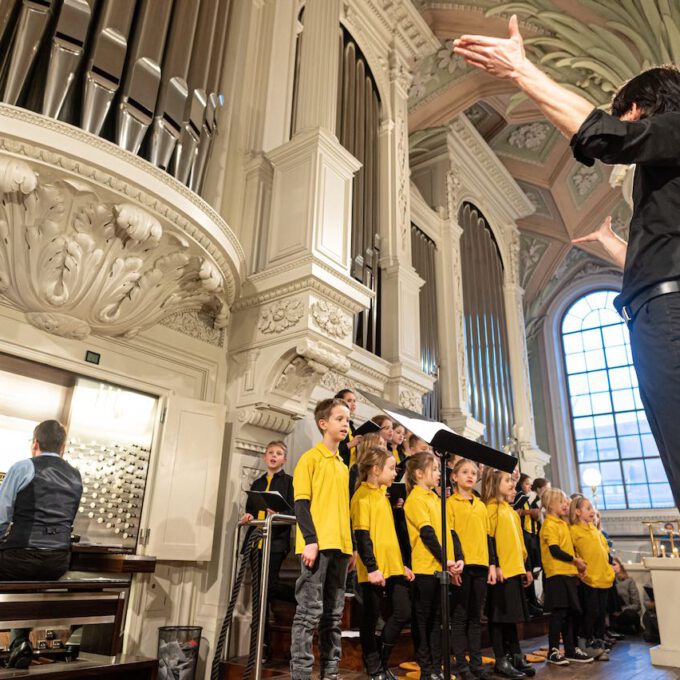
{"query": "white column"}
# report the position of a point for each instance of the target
(317, 91)
(532, 459)
(400, 284)
(665, 574)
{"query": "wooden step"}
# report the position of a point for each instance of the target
(120, 667)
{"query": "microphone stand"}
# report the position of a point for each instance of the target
(443, 576)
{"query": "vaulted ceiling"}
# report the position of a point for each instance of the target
(591, 46)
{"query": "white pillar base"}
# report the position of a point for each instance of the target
(665, 573)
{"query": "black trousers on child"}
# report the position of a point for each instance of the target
(396, 592)
(594, 608)
(504, 639)
(466, 627)
(561, 624)
(428, 621)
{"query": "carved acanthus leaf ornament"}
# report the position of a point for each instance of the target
(77, 265)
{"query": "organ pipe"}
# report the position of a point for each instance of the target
(156, 63)
(490, 394)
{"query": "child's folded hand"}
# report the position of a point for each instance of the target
(410, 576)
(491, 580)
(376, 578)
(246, 518)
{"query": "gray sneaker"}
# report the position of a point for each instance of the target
(593, 652)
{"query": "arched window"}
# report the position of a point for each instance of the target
(610, 429)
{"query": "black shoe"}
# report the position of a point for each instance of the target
(385, 653)
(578, 656)
(520, 662)
(506, 669)
(535, 611)
(20, 655)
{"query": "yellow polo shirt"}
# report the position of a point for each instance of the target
(371, 511)
(555, 531)
(323, 479)
(504, 526)
(423, 508)
(591, 546)
(470, 520)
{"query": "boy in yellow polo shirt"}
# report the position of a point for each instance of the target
(591, 546)
(324, 543)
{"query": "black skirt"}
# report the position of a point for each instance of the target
(561, 592)
(533, 549)
(506, 602)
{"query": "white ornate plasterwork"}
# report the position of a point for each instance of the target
(331, 319)
(196, 325)
(584, 180)
(532, 249)
(529, 136)
(411, 400)
(77, 264)
(280, 315)
(58, 150)
(335, 382)
(267, 419)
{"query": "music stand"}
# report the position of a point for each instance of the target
(445, 443)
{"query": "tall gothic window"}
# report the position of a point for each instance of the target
(490, 398)
(610, 429)
(423, 254)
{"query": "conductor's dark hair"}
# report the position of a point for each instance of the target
(50, 435)
(656, 90)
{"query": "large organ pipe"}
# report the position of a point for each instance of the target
(68, 46)
(107, 59)
(209, 128)
(33, 20)
(186, 149)
(143, 74)
(6, 9)
(174, 89)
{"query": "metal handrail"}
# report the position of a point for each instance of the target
(266, 525)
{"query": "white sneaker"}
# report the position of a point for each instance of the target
(579, 656)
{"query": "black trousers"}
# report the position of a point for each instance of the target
(467, 601)
(427, 611)
(30, 564)
(594, 607)
(394, 595)
(561, 623)
(504, 639)
(275, 589)
(655, 345)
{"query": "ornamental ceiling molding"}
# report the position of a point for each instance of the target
(528, 142)
(485, 172)
(595, 57)
(532, 249)
(76, 264)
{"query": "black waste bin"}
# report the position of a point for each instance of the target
(178, 652)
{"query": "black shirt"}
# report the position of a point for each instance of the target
(653, 144)
(283, 483)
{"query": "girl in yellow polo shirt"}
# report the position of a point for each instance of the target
(506, 602)
(468, 517)
(423, 519)
(380, 569)
(591, 546)
(561, 567)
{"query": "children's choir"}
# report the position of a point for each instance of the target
(500, 536)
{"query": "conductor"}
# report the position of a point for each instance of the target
(643, 128)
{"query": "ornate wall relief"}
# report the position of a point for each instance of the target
(280, 315)
(331, 319)
(77, 263)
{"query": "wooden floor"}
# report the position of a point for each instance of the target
(629, 660)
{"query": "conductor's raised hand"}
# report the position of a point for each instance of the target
(600, 235)
(500, 57)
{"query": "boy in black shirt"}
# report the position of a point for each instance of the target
(275, 479)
